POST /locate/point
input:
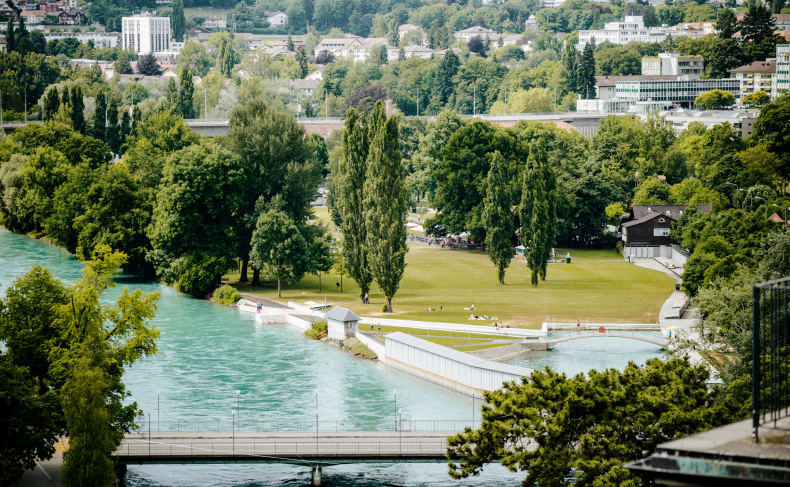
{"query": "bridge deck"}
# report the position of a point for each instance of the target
(646, 336)
(295, 448)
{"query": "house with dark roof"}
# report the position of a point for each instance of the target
(645, 229)
(757, 76)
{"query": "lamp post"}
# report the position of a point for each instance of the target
(25, 107)
(316, 431)
(157, 411)
(238, 402)
(766, 204)
(395, 391)
(205, 104)
(149, 433)
(232, 423)
(474, 100)
(736, 187)
(400, 432)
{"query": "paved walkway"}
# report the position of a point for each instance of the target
(656, 266)
(670, 264)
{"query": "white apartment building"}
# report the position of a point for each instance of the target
(276, 19)
(679, 120)
(215, 23)
(146, 33)
(631, 29)
(782, 68)
(673, 63)
(757, 76)
(466, 34)
(100, 39)
(551, 3)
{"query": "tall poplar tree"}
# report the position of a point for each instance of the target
(51, 103)
(534, 210)
(550, 187)
(100, 117)
(570, 65)
(301, 60)
(177, 20)
(113, 130)
(77, 108)
(444, 85)
(498, 217)
(186, 108)
(385, 201)
(171, 97)
(122, 64)
(227, 57)
(10, 39)
(349, 185)
(586, 76)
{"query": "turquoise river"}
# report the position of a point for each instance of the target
(207, 352)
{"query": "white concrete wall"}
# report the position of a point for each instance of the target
(377, 348)
(428, 325)
(298, 322)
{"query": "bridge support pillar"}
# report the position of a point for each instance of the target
(316, 476)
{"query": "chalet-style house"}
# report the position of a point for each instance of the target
(645, 229)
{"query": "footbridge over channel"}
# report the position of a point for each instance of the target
(329, 443)
(563, 332)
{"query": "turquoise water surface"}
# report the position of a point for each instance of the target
(207, 352)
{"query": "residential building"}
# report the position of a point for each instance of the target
(551, 3)
(48, 6)
(466, 34)
(621, 32)
(194, 32)
(306, 87)
(673, 63)
(417, 51)
(606, 85)
(251, 40)
(645, 229)
(32, 17)
(531, 23)
(318, 74)
(406, 28)
(682, 90)
(782, 68)
(782, 20)
(276, 19)
(756, 76)
(100, 39)
(338, 47)
(145, 33)
(742, 120)
(214, 23)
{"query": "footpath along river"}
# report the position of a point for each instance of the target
(207, 352)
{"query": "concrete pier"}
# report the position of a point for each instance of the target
(316, 477)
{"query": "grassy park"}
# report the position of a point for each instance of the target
(604, 288)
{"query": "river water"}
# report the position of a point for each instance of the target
(207, 352)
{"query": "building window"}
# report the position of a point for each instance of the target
(660, 232)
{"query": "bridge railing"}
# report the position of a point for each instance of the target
(303, 426)
(281, 448)
(654, 335)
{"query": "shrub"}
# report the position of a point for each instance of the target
(226, 294)
(316, 330)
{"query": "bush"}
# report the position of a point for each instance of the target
(226, 294)
(316, 330)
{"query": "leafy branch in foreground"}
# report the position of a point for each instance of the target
(583, 429)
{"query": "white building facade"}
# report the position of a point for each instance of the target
(783, 68)
(757, 76)
(146, 33)
(276, 19)
(100, 39)
(631, 29)
(673, 63)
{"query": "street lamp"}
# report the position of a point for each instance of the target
(157, 411)
(149, 433)
(400, 432)
(238, 402)
(316, 431)
(395, 391)
(766, 204)
(232, 423)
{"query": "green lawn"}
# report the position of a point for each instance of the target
(607, 290)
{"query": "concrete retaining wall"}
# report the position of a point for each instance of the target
(300, 323)
(427, 325)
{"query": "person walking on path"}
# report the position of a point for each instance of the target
(578, 326)
(366, 300)
(259, 306)
(440, 307)
(337, 285)
(379, 327)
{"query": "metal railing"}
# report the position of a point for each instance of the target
(770, 391)
(648, 335)
(282, 448)
(306, 426)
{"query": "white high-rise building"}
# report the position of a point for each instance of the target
(621, 32)
(782, 68)
(146, 33)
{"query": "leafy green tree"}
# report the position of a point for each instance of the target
(715, 99)
(757, 99)
(536, 211)
(444, 86)
(147, 65)
(289, 43)
(226, 58)
(586, 73)
(652, 192)
(401, 54)
(554, 427)
(77, 108)
(152, 141)
(614, 212)
(498, 217)
(757, 29)
(726, 24)
(196, 210)
(392, 33)
(172, 101)
(28, 428)
(186, 107)
(122, 65)
(178, 21)
(113, 130)
(278, 247)
(195, 58)
(51, 104)
(694, 272)
(100, 118)
(301, 59)
(385, 203)
(321, 260)
(320, 152)
(278, 161)
(570, 67)
(772, 130)
(350, 200)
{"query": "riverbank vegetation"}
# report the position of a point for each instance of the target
(226, 294)
(318, 329)
(64, 355)
(358, 349)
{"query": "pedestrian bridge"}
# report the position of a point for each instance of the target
(563, 332)
(324, 446)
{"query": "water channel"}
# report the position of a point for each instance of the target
(207, 352)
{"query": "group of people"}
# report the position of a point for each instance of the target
(431, 308)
